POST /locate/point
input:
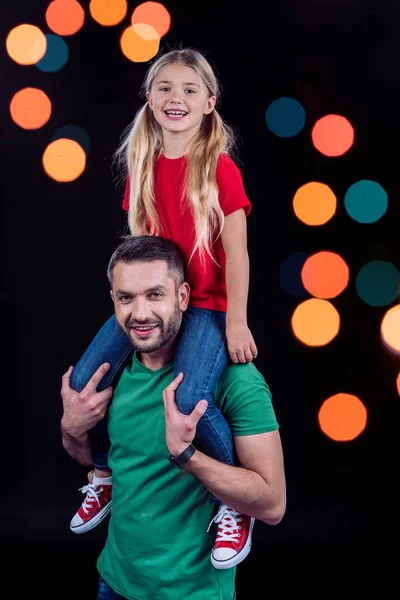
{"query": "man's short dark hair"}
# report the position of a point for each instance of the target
(147, 248)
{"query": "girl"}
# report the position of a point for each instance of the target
(183, 185)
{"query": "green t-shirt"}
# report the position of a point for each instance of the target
(158, 547)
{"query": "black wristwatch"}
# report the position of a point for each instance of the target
(181, 460)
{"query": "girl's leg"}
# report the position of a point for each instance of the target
(112, 346)
(202, 357)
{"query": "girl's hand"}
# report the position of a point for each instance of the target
(241, 345)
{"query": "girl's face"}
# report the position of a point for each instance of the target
(179, 99)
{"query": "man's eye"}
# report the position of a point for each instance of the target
(124, 298)
(156, 295)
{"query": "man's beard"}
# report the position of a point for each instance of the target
(166, 332)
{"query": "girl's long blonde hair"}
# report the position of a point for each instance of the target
(142, 144)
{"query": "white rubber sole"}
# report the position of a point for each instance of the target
(238, 558)
(84, 527)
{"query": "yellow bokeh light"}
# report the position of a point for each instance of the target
(146, 32)
(26, 44)
(325, 274)
(30, 108)
(65, 17)
(342, 417)
(108, 12)
(315, 322)
(136, 48)
(390, 329)
(64, 160)
(314, 203)
(154, 14)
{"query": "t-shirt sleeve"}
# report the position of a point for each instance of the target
(125, 202)
(231, 192)
(245, 400)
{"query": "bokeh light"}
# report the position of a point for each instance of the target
(342, 417)
(332, 135)
(378, 283)
(26, 44)
(65, 17)
(390, 329)
(325, 274)
(64, 160)
(290, 274)
(137, 47)
(56, 54)
(108, 12)
(314, 203)
(154, 14)
(366, 201)
(76, 133)
(315, 322)
(398, 384)
(285, 117)
(30, 108)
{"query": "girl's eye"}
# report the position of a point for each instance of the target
(190, 91)
(164, 89)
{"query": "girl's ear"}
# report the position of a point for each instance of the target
(148, 98)
(210, 105)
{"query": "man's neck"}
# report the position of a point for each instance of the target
(157, 360)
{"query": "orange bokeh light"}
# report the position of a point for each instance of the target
(65, 17)
(138, 49)
(390, 329)
(154, 14)
(64, 160)
(108, 12)
(26, 44)
(398, 384)
(30, 108)
(325, 274)
(314, 203)
(315, 322)
(342, 417)
(332, 135)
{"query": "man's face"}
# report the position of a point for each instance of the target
(147, 306)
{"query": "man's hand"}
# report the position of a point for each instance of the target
(83, 410)
(180, 428)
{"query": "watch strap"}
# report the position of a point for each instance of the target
(180, 460)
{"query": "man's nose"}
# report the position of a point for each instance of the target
(141, 310)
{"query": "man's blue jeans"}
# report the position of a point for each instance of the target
(201, 356)
(107, 593)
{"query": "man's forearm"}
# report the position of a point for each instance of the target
(77, 447)
(240, 488)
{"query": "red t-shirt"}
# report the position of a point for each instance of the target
(208, 286)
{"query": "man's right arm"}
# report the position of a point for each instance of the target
(81, 411)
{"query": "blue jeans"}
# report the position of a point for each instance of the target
(107, 593)
(201, 355)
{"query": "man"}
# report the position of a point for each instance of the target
(157, 546)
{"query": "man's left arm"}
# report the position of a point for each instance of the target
(257, 487)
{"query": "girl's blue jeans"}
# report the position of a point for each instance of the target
(201, 355)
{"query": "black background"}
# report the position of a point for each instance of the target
(333, 56)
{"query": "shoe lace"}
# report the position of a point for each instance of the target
(228, 519)
(91, 496)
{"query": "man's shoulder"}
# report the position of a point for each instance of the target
(240, 373)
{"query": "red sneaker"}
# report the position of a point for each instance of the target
(95, 507)
(233, 542)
